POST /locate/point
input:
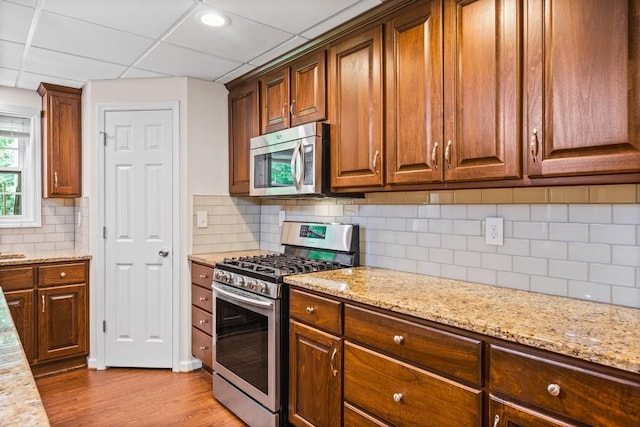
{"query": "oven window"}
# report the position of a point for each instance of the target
(242, 343)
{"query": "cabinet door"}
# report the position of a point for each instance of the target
(308, 89)
(21, 308)
(506, 414)
(274, 99)
(482, 97)
(243, 125)
(62, 321)
(315, 377)
(583, 87)
(355, 93)
(414, 95)
(61, 141)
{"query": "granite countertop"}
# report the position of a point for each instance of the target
(21, 403)
(19, 258)
(601, 333)
(212, 258)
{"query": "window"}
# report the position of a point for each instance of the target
(20, 174)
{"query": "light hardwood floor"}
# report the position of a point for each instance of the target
(132, 397)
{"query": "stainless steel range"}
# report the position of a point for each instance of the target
(250, 352)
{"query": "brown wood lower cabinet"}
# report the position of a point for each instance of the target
(49, 306)
(201, 314)
(507, 414)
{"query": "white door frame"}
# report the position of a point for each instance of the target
(98, 284)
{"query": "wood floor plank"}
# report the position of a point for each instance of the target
(132, 397)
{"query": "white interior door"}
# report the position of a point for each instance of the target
(138, 242)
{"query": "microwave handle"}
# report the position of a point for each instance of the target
(297, 166)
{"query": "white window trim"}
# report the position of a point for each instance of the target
(32, 178)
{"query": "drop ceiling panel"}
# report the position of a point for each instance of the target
(15, 21)
(291, 16)
(10, 54)
(56, 64)
(243, 69)
(185, 62)
(59, 33)
(137, 73)
(345, 15)
(241, 41)
(30, 3)
(279, 50)
(8, 77)
(32, 81)
(150, 18)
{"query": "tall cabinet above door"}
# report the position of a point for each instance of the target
(61, 141)
(583, 87)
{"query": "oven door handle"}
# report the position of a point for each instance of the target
(254, 302)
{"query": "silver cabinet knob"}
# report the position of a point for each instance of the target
(203, 348)
(203, 276)
(397, 397)
(398, 339)
(553, 389)
(310, 310)
(63, 274)
(163, 252)
(203, 321)
(203, 299)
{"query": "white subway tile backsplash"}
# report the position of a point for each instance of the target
(590, 291)
(513, 247)
(530, 230)
(408, 265)
(454, 211)
(430, 240)
(614, 234)
(467, 227)
(626, 214)
(406, 238)
(453, 241)
(568, 269)
(625, 296)
(514, 212)
(419, 225)
(549, 249)
(507, 279)
(453, 272)
(590, 214)
(480, 212)
(549, 285)
(396, 224)
(612, 274)
(569, 232)
(497, 262)
(441, 226)
(480, 275)
(549, 213)
(467, 259)
(626, 255)
(528, 265)
(442, 256)
(429, 211)
(428, 268)
(590, 252)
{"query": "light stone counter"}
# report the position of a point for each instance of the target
(21, 404)
(601, 333)
(212, 258)
(41, 257)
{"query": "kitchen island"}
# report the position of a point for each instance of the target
(21, 404)
(596, 332)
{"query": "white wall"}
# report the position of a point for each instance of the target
(20, 97)
(203, 142)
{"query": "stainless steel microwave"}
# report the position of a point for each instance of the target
(291, 162)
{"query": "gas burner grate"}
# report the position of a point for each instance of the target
(277, 265)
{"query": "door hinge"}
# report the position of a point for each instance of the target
(104, 232)
(104, 326)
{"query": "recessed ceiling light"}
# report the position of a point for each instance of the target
(213, 19)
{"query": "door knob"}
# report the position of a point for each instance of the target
(163, 252)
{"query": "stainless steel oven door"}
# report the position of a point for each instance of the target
(246, 343)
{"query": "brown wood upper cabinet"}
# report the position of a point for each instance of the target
(356, 113)
(61, 141)
(244, 123)
(294, 94)
(583, 87)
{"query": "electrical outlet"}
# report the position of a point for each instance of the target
(281, 217)
(201, 221)
(494, 231)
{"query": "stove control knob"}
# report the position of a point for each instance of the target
(251, 284)
(227, 277)
(217, 275)
(262, 288)
(239, 281)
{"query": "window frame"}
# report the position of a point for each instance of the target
(31, 171)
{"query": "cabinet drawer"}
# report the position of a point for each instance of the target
(586, 396)
(442, 351)
(201, 319)
(201, 346)
(61, 274)
(201, 275)
(354, 417)
(317, 311)
(202, 298)
(16, 278)
(401, 394)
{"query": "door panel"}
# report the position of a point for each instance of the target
(138, 165)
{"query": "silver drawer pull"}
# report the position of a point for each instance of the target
(496, 421)
(398, 339)
(397, 397)
(203, 348)
(310, 310)
(203, 299)
(203, 276)
(63, 274)
(203, 321)
(553, 389)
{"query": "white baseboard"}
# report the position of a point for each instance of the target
(190, 365)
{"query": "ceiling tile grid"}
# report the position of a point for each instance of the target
(72, 41)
